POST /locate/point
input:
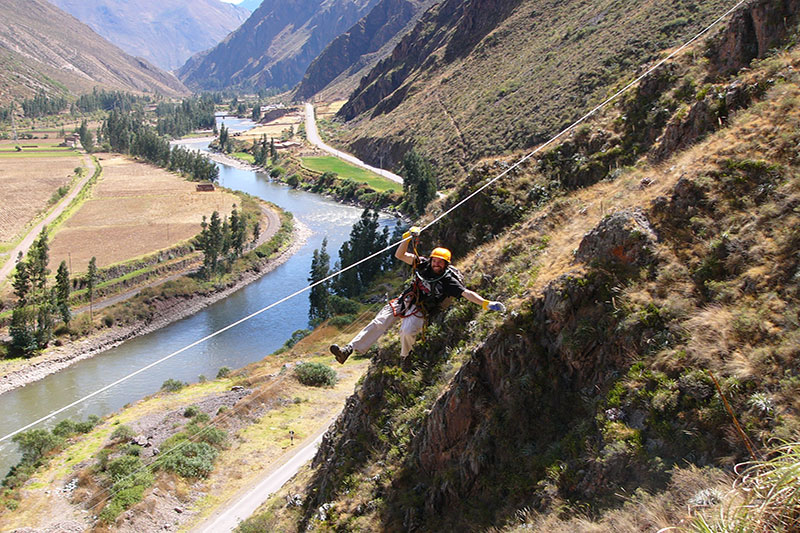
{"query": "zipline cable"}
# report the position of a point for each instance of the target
(434, 221)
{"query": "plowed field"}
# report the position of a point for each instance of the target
(135, 209)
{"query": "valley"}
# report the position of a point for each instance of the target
(640, 375)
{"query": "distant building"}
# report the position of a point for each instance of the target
(204, 187)
(71, 140)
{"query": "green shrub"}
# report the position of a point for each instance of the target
(340, 321)
(316, 375)
(172, 385)
(342, 306)
(223, 372)
(191, 411)
(123, 432)
(34, 444)
(192, 460)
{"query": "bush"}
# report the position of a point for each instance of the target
(34, 444)
(223, 372)
(172, 385)
(191, 411)
(315, 375)
(192, 460)
(123, 432)
(340, 321)
(342, 306)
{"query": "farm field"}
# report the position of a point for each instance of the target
(326, 111)
(28, 181)
(275, 128)
(346, 170)
(135, 209)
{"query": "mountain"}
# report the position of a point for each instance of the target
(351, 55)
(274, 46)
(164, 32)
(44, 48)
(478, 77)
(650, 349)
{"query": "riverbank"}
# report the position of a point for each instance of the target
(169, 311)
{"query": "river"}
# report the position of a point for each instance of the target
(247, 342)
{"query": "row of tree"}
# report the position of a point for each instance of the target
(127, 133)
(222, 241)
(366, 238)
(41, 105)
(38, 304)
(191, 114)
(102, 100)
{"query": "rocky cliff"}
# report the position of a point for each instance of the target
(274, 46)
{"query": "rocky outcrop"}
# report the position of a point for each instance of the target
(753, 31)
(624, 237)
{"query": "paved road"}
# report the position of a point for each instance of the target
(246, 503)
(26, 242)
(313, 137)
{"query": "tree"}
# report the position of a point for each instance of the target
(365, 240)
(86, 136)
(238, 232)
(318, 296)
(62, 292)
(22, 281)
(419, 182)
(91, 281)
(256, 231)
(210, 243)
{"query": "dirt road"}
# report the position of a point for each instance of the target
(246, 503)
(313, 137)
(26, 242)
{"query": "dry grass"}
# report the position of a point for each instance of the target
(274, 128)
(27, 186)
(642, 512)
(135, 209)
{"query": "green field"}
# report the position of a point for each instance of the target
(244, 156)
(346, 170)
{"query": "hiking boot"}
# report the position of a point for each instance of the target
(341, 353)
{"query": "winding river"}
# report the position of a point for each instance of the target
(247, 342)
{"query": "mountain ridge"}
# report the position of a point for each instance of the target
(47, 49)
(164, 32)
(274, 46)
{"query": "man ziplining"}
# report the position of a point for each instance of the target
(435, 281)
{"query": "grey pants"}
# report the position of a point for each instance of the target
(410, 326)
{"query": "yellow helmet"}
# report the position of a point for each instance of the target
(441, 253)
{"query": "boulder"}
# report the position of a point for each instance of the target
(625, 237)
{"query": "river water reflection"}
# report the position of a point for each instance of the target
(247, 342)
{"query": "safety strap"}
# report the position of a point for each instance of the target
(415, 289)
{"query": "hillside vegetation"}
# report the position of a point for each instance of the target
(652, 299)
(464, 85)
(44, 49)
